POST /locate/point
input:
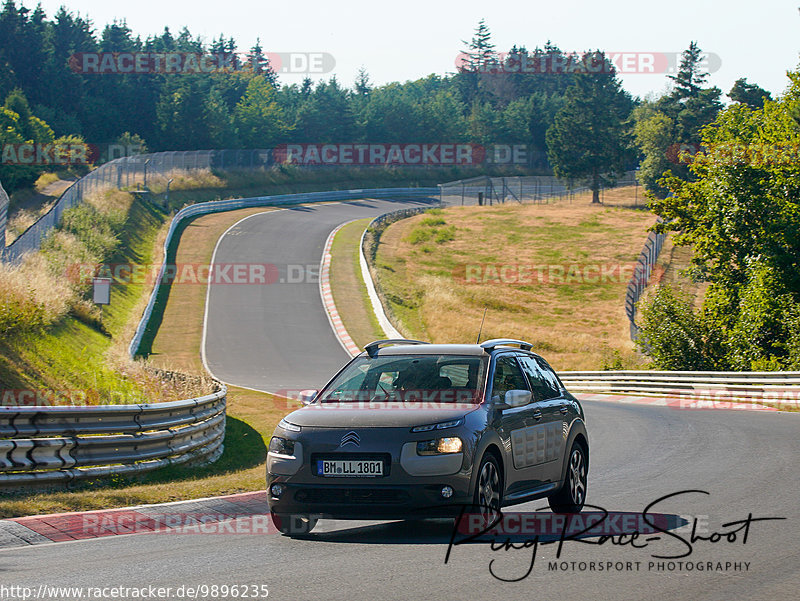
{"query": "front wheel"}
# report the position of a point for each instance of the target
(293, 524)
(572, 494)
(488, 491)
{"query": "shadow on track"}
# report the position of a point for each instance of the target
(438, 531)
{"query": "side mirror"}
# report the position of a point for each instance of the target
(517, 398)
(307, 396)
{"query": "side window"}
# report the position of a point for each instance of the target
(507, 376)
(550, 378)
(539, 385)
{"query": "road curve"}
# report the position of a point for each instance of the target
(277, 337)
(274, 337)
(746, 461)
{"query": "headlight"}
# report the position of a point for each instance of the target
(440, 426)
(287, 426)
(281, 446)
(440, 446)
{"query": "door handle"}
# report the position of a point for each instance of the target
(537, 415)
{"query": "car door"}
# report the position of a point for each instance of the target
(518, 427)
(550, 422)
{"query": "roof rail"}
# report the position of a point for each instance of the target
(373, 347)
(489, 345)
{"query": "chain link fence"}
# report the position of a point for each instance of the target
(3, 216)
(132, 172)
(486, 190)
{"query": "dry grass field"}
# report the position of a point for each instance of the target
(551, 274)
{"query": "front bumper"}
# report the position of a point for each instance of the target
(411, 487)
(382, 498)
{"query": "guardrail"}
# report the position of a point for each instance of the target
(764, 386)
(52, 445)
(58, 445)
(641, 276)
(375, 227)
(217, 206)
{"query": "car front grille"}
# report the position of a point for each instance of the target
(351, 496)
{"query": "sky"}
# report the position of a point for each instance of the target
(414, 38)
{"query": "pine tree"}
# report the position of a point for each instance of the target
(690, 77)
(362, 86)
(480, 50)
(587, 138)
(259, 63)
(748, 93)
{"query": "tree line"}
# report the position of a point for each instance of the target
(246, 106)
(725, 179)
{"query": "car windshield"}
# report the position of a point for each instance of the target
(408, 378)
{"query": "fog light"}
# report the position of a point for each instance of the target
(277, 490)
(447, 492)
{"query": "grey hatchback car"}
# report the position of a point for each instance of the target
(410, 430)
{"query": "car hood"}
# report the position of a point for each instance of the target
(393, 415)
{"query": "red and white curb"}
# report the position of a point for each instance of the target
(327, 296)
(691, 403)
(243, 513)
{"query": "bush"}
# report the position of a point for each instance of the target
(40, 291)
(672, 334)
(19, 311)
(92, 228)
(758, 338)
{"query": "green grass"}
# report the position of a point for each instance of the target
(347, 285)
(72, 354)
(421, 264)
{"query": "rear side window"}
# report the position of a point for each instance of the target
(543, 382)
(507, 376)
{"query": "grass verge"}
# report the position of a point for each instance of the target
(439, 271)
(251, 415)
(347, 285)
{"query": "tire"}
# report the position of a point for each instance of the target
(572, 494)
(488, 496)
(293, 524)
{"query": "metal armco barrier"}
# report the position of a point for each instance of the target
(641, 276)
(367, 259)
(767, 386)
(58, 445)
(217, 206)
(52, 445)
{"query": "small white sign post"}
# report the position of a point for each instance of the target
(101, 292)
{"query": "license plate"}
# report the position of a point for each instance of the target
(350, 467)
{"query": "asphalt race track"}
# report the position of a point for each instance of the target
(279, 338)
